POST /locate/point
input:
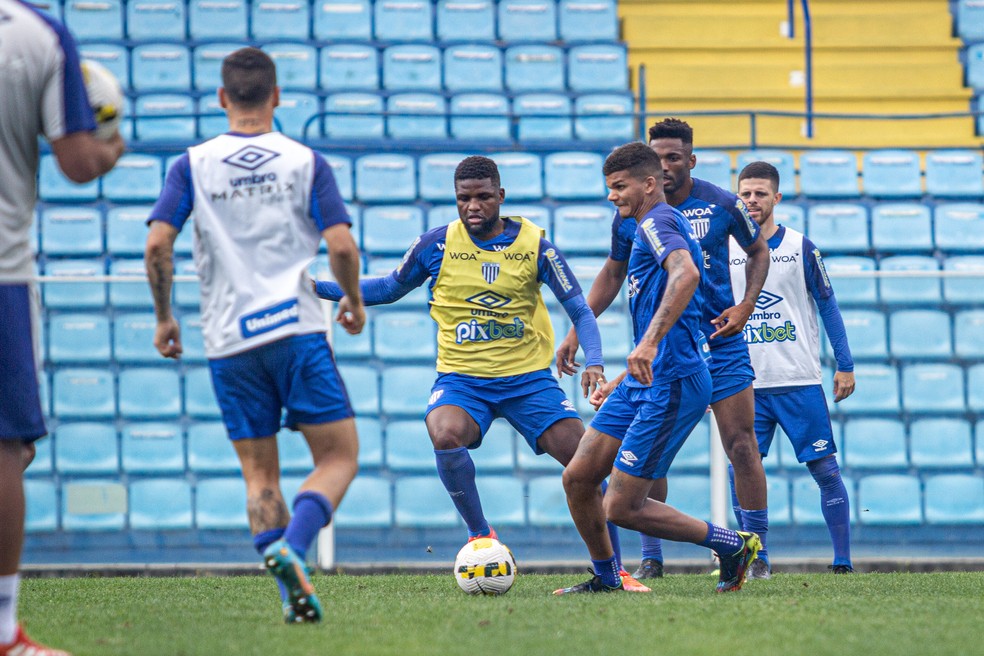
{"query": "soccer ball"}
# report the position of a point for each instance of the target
(105, 97)
(485, 567)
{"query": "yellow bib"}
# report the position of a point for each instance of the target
(491, 320)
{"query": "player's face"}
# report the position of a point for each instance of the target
(628, 193)
(759, 197)
(678, 160)
(478, 205)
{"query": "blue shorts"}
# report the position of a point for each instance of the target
(653, 422)
(531, 402)
(20, 403)
(297, 373)
(731, 369)
(803, 415)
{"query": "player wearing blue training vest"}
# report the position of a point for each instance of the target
(658, 401)
(784, 341)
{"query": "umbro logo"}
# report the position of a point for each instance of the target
(819, 445)
(766, 300)
(250, 157)
(628, 458)
(489, 299)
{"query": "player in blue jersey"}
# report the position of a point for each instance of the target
(784, 340)
(261, 204)
(658, 401)
(42, 93)
(716, 215)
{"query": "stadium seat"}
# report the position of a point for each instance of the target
(207, 64)
(436, 177)
(403, 20)
(293, 451)
(422, 502)
(597, 68)
(41, 497)
(465, 21)
(547, 503)
(583, 229)
(384, 266)
(93, 505)
(53, 185)
(134, 293)
(502, 500)
(521, 174)
(907, 290)
(616, 337)
(543, 116)
(527, 20)
(74, 294)
(538, 214)
(793, 216)
(360, 116)
(199, 399)
(960, 226)
(975, 388)
(406, 389)
(391, 229)
(405, 336)
(280, 19)
(294, 113)
(782, 160)
(920, 334)
(535, 68)
(604, 117)
(155, 19)
(858, 290)
(866, 334)
(954, 499)
(933, 388)
(341, 169)
(806, 501)
(891, 174)
(149, 392)
(41, 465)
(472, 67)
(941, 442)
(385, 178)
(780, 506)
(368, 504)
(209, 449)
(192, 340)
(901, 228)
(187, 294)
(441, 215)
(83, 393)
(970, 20)
(133, 338)
(342, 20)
(94, 20)
(136, 177)
(217, 20)
(362, 384)
(695, 453)
(160, 504)
(411, 67)
(964, 290)
(86, 448)
(212, 119)
(408, 446)
(975, 66)
(160, 66)
(714, 166)
(152, 448)
(72, 231)
(114, 57)
(954, 174)
(496, 451)
(126, 229)
(829, 174)
(875, 443)
(691, 494)
(968, 326)
(220, 503)
(839, 227)
(75, 338)
(890, 499)
(353, 347)
(297, 63)
(416, 116)
(877, 391)
(349, 66)
(480, 116)
(588, 20)
(370, 442)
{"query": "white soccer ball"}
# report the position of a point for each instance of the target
(485, 567)
(105, 97)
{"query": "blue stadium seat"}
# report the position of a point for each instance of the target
(41, 497)
(587, 20)
(597, 68)
(901, 228)
(152, 448)
(875, 443)
(496, 451)
(920, 334)
(353, 347)
(160, 504)
(73, 231)
(422, 502)
(527, 20)
(480, 116)
(574, 176)
(954, 499)
(391, 228)
(74, 294)
(192, 340)
(155, 19)
(695, 454)
(93, 505)
(370, 442)
(839, 227)
(780, 505)
(297, 63)
(829, 174)
(209, 449)
(866, 334)
(280, 19)
(94, 20)
(349, 66)
(970, 20)
(384, 266)
(852, 290)
(538, 214)
(954, 174)
(941, 442)
(220, 503)
(877, 391)
(362, 384)
(149, 392)
(521, 174)
(781, 159)
(502, 499)
(979, 442)
(84, 393)
(714, 166)
(293, 452)
(342, 19)
(53, 185)
(616, 336)
(368, 504)
(586, 269)
(547, 504)
(206, 63)
(360, 116)
(403, 20)
(405, 336)
(157, 66)
(212, 119)
(906, 290)
(135, 177)
(583, 229)
(385, 178)
(293, 113)
(691, 494)
(149, 128)
(964, 290)
(543, 116)
(406, 389)
(791, 216)
(975, 388)
(604, 117)
(129, 294)
(341, 169)
(968, 326)
(187, 294)
(416, 116)
(41, 465)
(408, 446)
(933, 388)
(217, 20)
(975, 66)
(959, 226)
(806, 501)
(891, 174)
(465, 21)
(472, 67)
(535, 68)
(441, 215)
(78, 338)
(436, 177)
(890, 499)
(133, 338)
(411, 67)
(199, 398)
(86, 448)
(114, 57)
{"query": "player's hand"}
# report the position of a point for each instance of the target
(566, 354)
(843, 385)
(731, 321)
(602, 392)
(351, 316)
(167, 338)
(640, 362)
(591, 379)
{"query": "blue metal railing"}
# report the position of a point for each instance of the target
(807, 55)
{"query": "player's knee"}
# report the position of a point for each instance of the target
(742, 449)
(617, 510)
(445, 437)
(825, 471)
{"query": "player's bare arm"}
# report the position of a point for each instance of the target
(83, 158)
(843, 385)
(603, 291)
(343, 255)
(159, 261)
(732, 321)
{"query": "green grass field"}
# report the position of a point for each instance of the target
(791, 614)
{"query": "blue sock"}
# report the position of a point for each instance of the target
(735, 505)
(835, 505)
(457, 472)
(757, 521)
(613, 533)
(722, 541)
(263, 540)
(608, 571)
(312, 512)
(651, 547)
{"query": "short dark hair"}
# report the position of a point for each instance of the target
(637, 158)
(477, 167)
(249, 77)
(761, 171)
(672, 128)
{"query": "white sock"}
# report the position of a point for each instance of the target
(8, 608)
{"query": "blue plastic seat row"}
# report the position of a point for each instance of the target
(913, 334)
(932, 443)
(121, 294)
(937, 388)
(918, 281)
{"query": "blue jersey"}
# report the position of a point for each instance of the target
(662, 231)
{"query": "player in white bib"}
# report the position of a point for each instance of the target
(783, 338)
(261, 204)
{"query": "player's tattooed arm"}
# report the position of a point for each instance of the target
(159, 262)
(732, 321)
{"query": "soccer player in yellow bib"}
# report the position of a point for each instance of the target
(494, 339)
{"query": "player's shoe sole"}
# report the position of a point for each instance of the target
(283, 563)
(630, 584)
(24, 646)
(759, 569)
(735, 566)
(650, 568)
(593, 584)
